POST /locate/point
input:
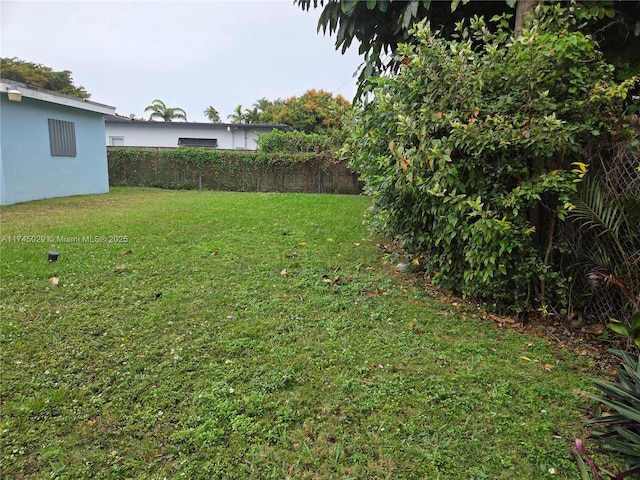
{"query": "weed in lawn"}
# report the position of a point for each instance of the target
(185, 352)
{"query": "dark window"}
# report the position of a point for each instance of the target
(62, 138)
(198, 142)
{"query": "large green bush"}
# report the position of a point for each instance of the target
(278, 141)
(468, 151)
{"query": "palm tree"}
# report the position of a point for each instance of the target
(251, 116)
(212, 114)
(237, 116)
(158, 109)
(262, 104)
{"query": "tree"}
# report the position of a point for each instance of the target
(159, 110)
(251, 115)
(379, 26)
(316, 111)
(41, 76)
(270, 110)
(237, 116)
(212, 114)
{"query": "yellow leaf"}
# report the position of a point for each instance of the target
(303, 244)
(525, 358)
(330, 240)
(548, 367)
(415, 261)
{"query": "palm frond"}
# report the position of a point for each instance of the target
(593, 211)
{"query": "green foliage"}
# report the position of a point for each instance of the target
(630, 331)
(467, 151)
(315, 111)
(278, 141)
(212, 114)
(379, 26)
(618, 427)
(161, 111)
(41, 76)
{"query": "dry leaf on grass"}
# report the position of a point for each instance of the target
(54, 281)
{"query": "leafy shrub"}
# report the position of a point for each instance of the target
(278, 141)
(467, 151)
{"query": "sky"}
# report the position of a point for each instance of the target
(189, 54)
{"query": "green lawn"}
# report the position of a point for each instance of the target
(206, 335)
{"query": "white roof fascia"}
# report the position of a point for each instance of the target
(46, 96)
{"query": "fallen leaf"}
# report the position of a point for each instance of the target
(54, 281)
(283, 272)
(438, 115)
(377, 291)
(214, 253)
(303, 244)
(548, 367)
(357, 244)
(525, 358)
(330, 240)
(126, 252)
(120, 268)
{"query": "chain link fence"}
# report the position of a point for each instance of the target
(605, 278)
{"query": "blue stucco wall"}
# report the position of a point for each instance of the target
(28, 171)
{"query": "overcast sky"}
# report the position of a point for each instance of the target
(189, 54)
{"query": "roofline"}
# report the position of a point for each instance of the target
(122, 120)
(29, 91)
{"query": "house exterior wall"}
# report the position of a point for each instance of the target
(28, 171)
(161, 134)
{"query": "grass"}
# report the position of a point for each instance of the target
(258, 336)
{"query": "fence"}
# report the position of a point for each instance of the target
(197, 168)
(606, 272)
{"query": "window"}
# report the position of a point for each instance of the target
(116, 141)
(62, 138)
(198, 142)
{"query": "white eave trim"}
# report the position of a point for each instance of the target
(28, 92)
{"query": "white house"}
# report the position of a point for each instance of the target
(123, 132)
(51, 145)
